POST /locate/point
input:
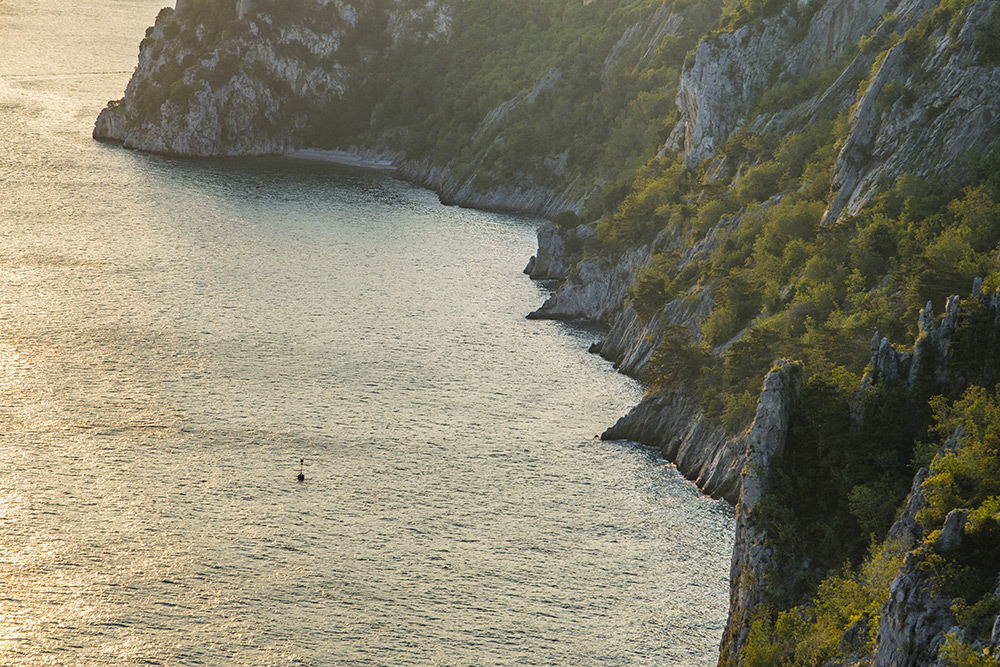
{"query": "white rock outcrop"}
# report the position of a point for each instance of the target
(753, 557)
(732, 69)
(948, 115)
(248, 86)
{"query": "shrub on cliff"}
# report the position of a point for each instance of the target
(987, 40)
(968, 476)
(841, 617)
(840, 621)
(567, 219)
(678, 362)
(957, 653)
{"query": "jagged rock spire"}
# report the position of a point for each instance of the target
(753, 558)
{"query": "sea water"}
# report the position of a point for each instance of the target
(176, 334)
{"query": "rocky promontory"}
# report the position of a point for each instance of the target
(235, 77)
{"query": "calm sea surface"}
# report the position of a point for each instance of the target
(173, 338)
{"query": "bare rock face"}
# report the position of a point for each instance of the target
(731, 70)
(559, 250)
(647, 34)
(631, 343)
(753, 559)
(913, 622)
(244, 8)
(519, 194)
(700, 449)
(948, 112)
(246, 84)
(953, 531)
(548, 82)
(906, 532)
(932, 348)
(597, 289)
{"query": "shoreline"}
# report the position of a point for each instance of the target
(344, 158)
(439, 179)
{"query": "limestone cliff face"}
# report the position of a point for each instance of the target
(597, 289)
(916, 617)
(252, 78)
(700, 449)
(946, 112)
(753, 558)
(932, 350)
(520, 195)
(248, 79)
(926, 108)
(953, 112)
(914, 620)
(559, 250)
(732, 69)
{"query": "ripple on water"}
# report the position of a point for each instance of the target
(173, 338)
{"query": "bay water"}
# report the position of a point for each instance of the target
(176, 334)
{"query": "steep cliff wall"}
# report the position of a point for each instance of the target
(948, 110)
(914, 620)
(732, 69)
(219, 78)
(700, 449)
(753, 557)
(250, 79)
(906, 606)
(920, 612)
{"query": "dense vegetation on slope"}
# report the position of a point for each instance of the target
(963, 476)
(786, 282)
(572, 100)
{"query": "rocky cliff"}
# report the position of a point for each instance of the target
(261, 77)
(946, 112)
(249, 79)
(917, 97)
(230, 79)
(753, 557)
(914, 620)
(919, 613)
(921, 618)
(924, 111)
(731, 70)
(700, 449)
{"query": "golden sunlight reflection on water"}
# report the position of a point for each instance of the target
(173, 339)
